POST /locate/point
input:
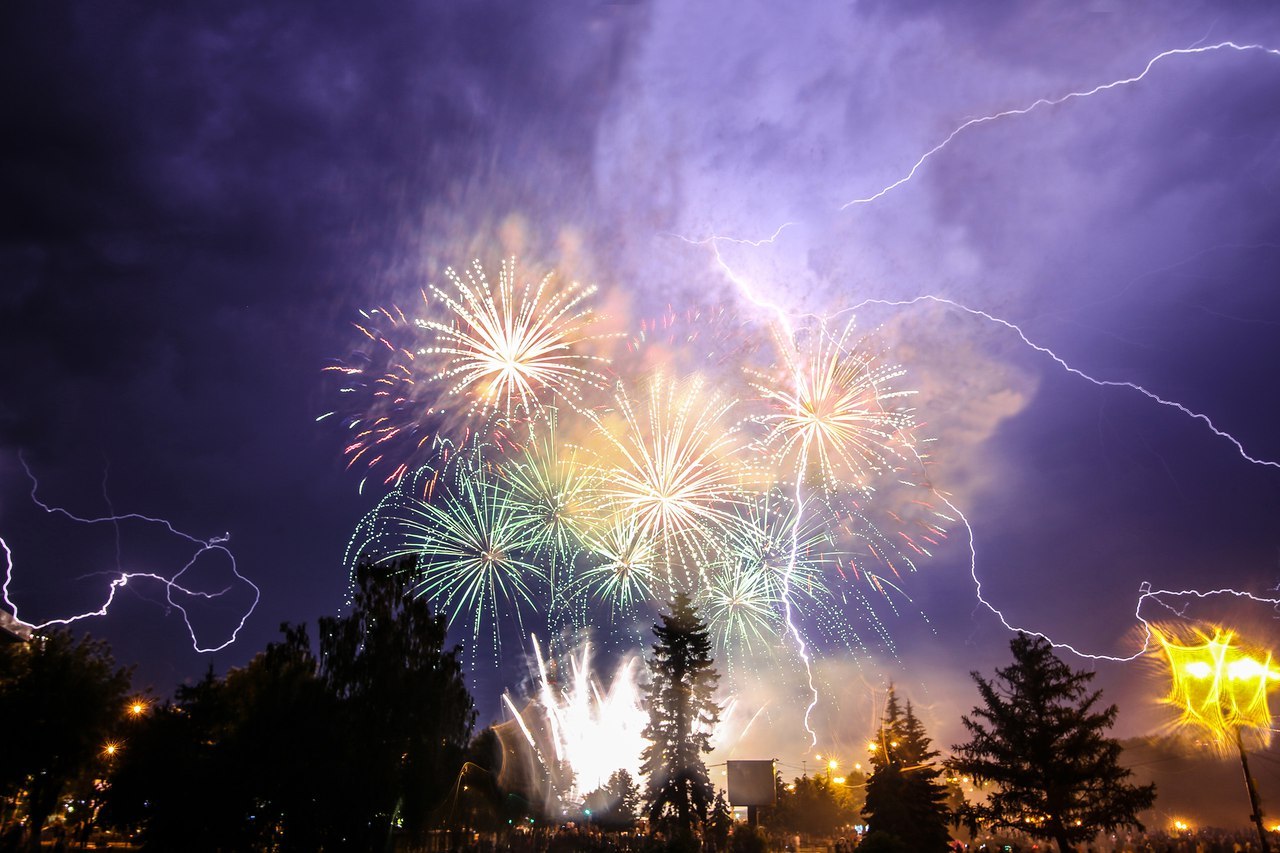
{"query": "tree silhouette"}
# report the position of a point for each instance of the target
(681, 716)
(405, 712)
(297, 753)
(240, 762)
(905, 797)
(282, 744)
(1041, 740)
(60, 699)
(613, 805)
(178, 779)
(814, 805)
(720, 822)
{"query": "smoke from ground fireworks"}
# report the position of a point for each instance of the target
(583, 731)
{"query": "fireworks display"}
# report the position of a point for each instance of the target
(534, 491)
(671, 461)
(833, 414)
(725, 303)
(590, 730)
(583, 730)
(512, 349)
(476, 353)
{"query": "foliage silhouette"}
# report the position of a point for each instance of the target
(1040, 739)
(682, 714)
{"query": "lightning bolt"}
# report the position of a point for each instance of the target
(1053, 102)
(754, 295)
(1145, 593)
(122, 579)
(783, 318)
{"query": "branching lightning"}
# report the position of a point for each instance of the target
(785, 318)
(122, 578)
(1053, 102)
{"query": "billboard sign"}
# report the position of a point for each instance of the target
(751, 783)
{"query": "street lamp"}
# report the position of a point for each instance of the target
(1222, 688)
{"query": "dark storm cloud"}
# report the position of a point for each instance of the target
(197, 200)
(199, 197)
(1132, 231)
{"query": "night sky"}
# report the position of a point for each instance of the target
(198, 200)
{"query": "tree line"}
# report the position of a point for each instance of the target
(341, 748)
(365, 742)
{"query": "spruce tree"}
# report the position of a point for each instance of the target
(905, 797)
(613, 805)
(720, 823)
(1040, 738)
(681, 716)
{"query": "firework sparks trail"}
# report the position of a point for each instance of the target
(505, 348)
(784, 320)
(740, 607)
(673, 464)
(122, 578)
(387, 413)
(752, 294)
(837, 414)
(762, 544)
(624, 570)
(551, 489)
(665, 480)
(595, 732)
(467, 540)
(483, 358)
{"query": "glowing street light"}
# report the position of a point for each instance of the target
(1221, 688)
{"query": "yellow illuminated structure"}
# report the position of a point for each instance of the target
(1219, 686)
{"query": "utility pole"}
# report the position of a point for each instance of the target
(1256, 817)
